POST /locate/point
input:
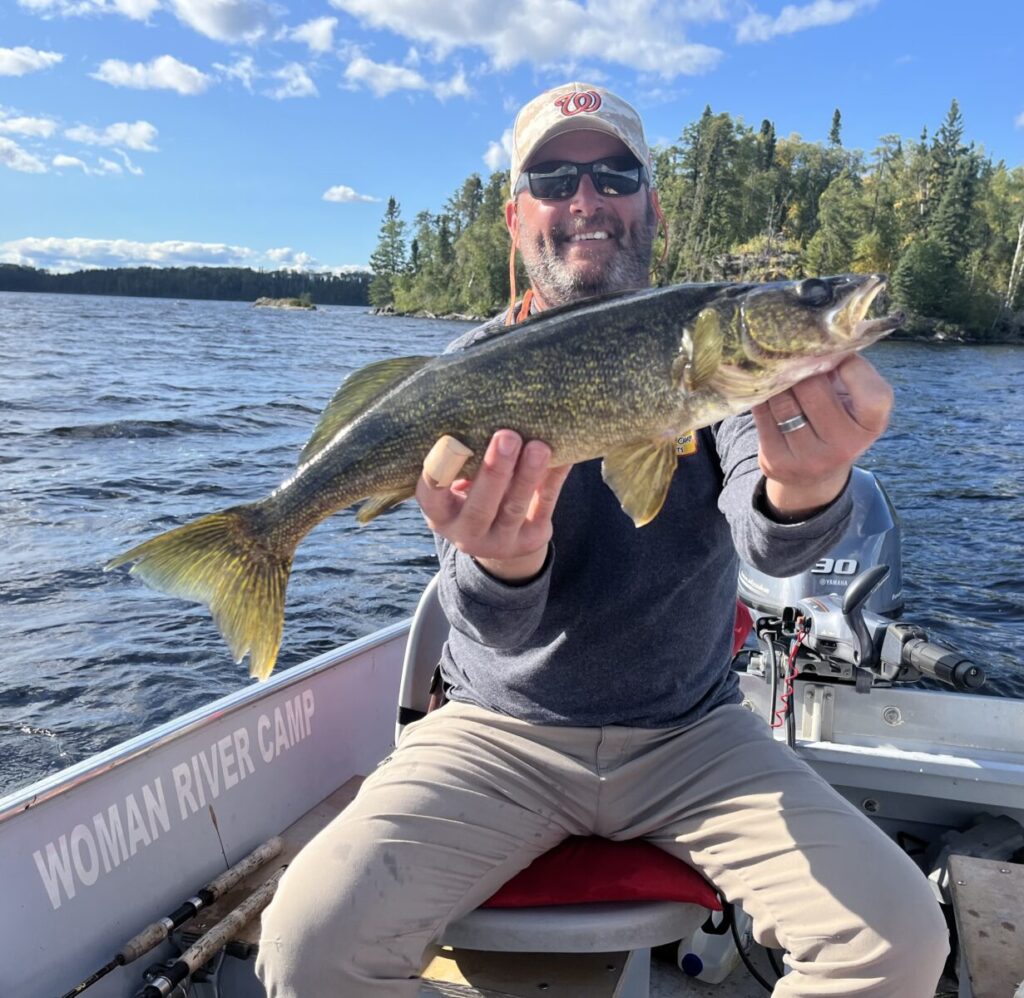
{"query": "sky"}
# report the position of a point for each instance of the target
(270, 133)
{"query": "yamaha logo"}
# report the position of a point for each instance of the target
(581, 101)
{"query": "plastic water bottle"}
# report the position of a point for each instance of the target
(712, 958)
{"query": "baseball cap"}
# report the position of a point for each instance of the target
(572, 107)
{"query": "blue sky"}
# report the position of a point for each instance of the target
(271, 132)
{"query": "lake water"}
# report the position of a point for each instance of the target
(124, 416)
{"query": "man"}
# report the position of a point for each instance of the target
(588, 661)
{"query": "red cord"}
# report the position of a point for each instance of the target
(787, 693)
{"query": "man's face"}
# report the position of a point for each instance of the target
(564, 267)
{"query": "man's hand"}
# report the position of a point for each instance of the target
(502, 518)
(846, 411)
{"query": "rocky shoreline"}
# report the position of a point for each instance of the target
(425, 314)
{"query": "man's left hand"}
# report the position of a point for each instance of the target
(846, 410)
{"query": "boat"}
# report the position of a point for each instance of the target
(128, 839)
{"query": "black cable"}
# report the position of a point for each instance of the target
(746, 959)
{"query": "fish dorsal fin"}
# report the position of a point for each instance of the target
(356, 393)
(701, 353)
(640, 474)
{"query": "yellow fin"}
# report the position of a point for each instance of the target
(356, 393)
(640, 474)
(222, 560)
(701, 354)
(378, 504)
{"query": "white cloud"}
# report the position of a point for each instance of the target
(295, 82)
(341, 194)
(128, 164)
(386, 78)
(226, 20)
(1019, 120)
(60, 254)
(106, 166)
(137, 135)
(21, 60)
(383, 78)
(640, 34)
(162, 73)
(137, 10)
(60, 161)
(76, 253)
(289, 259)
(12, 155)
(757, 27)
(455, 87)
(40, 128)
(499, 154)
(243, 69)
(318, 34)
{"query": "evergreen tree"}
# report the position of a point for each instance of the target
(831, 248)
(951, 222)
(926, 283)
(388, 260)
(835, 132)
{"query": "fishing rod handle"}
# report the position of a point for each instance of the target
(220, 935)
(158, 931)
(229, 878)
(204, 948)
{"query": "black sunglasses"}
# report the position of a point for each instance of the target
(613, 176)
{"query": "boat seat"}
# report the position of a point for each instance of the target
(550, 907)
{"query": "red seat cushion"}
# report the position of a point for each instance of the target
(589, 868)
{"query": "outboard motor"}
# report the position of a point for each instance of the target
(873, 538)
(838, 620)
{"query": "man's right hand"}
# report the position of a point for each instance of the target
(502, 519)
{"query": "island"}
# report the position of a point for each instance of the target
(301, 302)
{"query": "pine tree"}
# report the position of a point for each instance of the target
(835, 132)
(388, 260)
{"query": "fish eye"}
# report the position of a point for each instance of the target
(813, 292)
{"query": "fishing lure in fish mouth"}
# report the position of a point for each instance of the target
(617, 377)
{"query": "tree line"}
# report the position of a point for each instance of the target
(221, 283)
(742, 203)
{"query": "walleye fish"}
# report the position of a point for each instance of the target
(617, 377)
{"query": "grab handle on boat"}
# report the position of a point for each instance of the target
(206, 946)
(158, 931)
(943, 664)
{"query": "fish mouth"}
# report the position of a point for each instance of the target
(864, 330)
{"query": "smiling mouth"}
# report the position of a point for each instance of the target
(582, 237)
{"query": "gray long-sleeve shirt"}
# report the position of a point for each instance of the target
(624, 625)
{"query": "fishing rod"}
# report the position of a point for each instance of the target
(158, 931)
(204, 948)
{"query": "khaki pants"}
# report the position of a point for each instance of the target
(470, 798)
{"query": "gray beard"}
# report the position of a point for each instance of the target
(558, 283)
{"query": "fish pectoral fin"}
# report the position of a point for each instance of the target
(375, 505)
(356, 393)
(701, 353)
(640, 474)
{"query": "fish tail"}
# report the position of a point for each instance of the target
(226, 561)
